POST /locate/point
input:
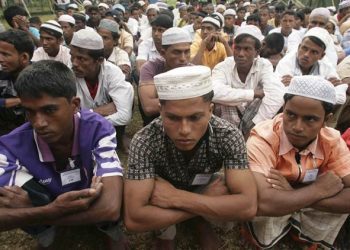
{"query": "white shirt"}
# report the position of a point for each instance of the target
(231, 91)
(146, 33)
(288, 66)
(190, 30)
(119, 57)
(147, 51)
(111, 87)
(62, 56)
(278, 30)
(133, 26)
(295, 39)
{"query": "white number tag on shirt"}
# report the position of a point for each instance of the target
(71, 176)
(310, 175)
(201, 179)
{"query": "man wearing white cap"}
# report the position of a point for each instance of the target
(72, 8)
(212, 48)
(220, 8)
(229, 25)
(67, 23)
(245, 88)
(94, 17)
(175, 51)
(103, 8)
(152, 12)
(343, 11)
(302, 169)
(51, 37)
(319, 17)
(101, 85)
(172, 164)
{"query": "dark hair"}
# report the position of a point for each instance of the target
(306, 10)
(13, 11)
(317, 41)
(206, 98)
(328, 107)
(20, 40)
(242, 37)
(46, 77)
(94, 54)
(133, 8)
(79, 17)
(93, 8)
(35, 20)
(162, 20)
(275, 41)
(254, 18)
(289, 13)
(300, 15)
(280, 7)
(240, 9)
(51, 32)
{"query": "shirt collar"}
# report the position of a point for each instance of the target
(44, 151)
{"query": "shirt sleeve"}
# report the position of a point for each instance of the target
(147, 72)
(273, 90)
(106, 159)
(223, 92)
(123, 58)
(127, 41)
(235, 153)
(143, 50)
(195, 47)
(122, 94)
(261, 156)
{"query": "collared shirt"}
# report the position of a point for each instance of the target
(210, 57)
(24, 155)
(230, 91)
(147, 50)
(268, 147)
(63, 56)
(133, 26)
(152, 154)
(119, 57)
(125, 40)
(112, 87)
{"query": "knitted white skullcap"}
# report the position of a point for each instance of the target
(321, 34)
(315, 87)
(175, 35)
(104, 5)
(67, 19)
(220, 6)
(73, 6)
(211, 20)
(246, 4)
(320, 12)
(230, 12)
(344, 4)
(152, 6)
(52, 25)
(87, 39)
(250, 30)
(183, 83)
(87, 3)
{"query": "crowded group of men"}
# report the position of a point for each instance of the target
(245, 109)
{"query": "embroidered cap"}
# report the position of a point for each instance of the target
(103, 5)
(320, 12)
(66, 18)
(175, 35)
(212, 20)
(110, 25)
(314, 87)
(250, 30)
(321, 34)
(52, 25)
(87, 39)
(183, 83)
(230, 12)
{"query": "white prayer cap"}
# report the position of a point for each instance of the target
(320, 12)
(118, 6)
(320, 33)
(220, 6)
(246, 4)
(344, 4)
(152, 6)
(221, 17)
(104, 5)
(331, 8)
(230, 12)
(211, 20)
(175, 35)
(162, 5)
(87, 3)
(73, 6)
(110, 25)
(87, 39)
(52, 25)
(250, 30)
(141, 3)
(183, 83)
(67, 19)
(315, 87)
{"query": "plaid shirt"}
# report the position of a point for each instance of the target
(152, 154)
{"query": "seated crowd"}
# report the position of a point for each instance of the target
(245, 109)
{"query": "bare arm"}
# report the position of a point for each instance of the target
(106, 110)
(12, 102)
(139, 64)
(140, 215)
(197, 59)
(239, 204)
(149, 98)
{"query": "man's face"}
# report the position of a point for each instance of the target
(302, 120)
(51, 117)
(253, 22)
(207, 29)
(252, 7)
(10, 60)
(245, 52)
(264, 16)
(330, 28)
(135, 14)
(79, 25)
(241, 14)
(151, 15)
(183, 13)
(70, 12)
(83, 65)
(209, 9)
(229, 21)
(157, 32)
(298, 23)
(95, 16)
(317, 21)
(68, 30)
(197, 23)
(186, 121)
(102, 11)
(50, 44)
(108, 41)
(177, 55)
(309, 53)
(287, 24)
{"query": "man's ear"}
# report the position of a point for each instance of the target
(211, 108)
(327, 118)
(162, 52)
(75, 102)
(24, 58)
(323, 54)
(100, 60)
